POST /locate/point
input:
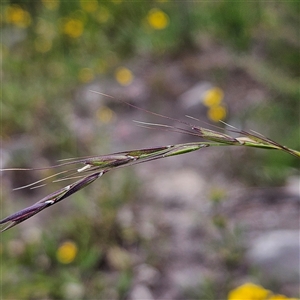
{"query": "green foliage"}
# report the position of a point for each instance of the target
(47, 58)
(44, 61)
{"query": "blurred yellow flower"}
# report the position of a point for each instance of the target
(51, 4)
(73, 27)
(85, 75)
(124, 76)
(89, 5)
(67, 252)
(42, 45)
(105, 114)
(14, 14)
(248, 291)
(217, 113)
(157, 19)
(213, 97)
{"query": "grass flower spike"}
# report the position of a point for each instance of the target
(91, 168)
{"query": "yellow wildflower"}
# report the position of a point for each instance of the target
(217, 113)
(67, 252)
(248, 291)
(51, 4)
(86, 75)
(73, 27)
(124, 76)
(16, 15)
(213, 97)
(157, 19)
(105, 114)
(89, 6)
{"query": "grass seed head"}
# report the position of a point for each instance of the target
(215, 136)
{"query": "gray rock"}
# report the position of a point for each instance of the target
(293, 186)
(141, 292)
(276, 254)
(187, 277)
(147, 274)
(182, 188)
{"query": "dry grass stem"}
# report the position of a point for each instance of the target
(88, 169)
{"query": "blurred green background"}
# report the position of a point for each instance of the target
(54, 51)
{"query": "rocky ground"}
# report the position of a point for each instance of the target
(203, 224)
(258, 231)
